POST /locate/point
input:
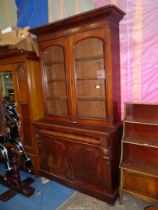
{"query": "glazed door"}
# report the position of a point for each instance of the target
(7, 86)
(89, 73)
(56, 79)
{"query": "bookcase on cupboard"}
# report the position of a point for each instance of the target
(79, 136)
(139, 161)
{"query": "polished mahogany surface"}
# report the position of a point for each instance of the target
(79, 136)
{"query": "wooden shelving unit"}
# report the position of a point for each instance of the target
(139, 152)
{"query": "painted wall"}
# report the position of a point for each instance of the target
(8, 16)
(64, 8)
(139, 49)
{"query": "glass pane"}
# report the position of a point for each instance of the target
(59, 106)
(56, 92)
(88, 48)
(93, 88)
(90, 78)
(89, 108)
(53, 54)
(56, 89)
(6, 87)
(96, 69)
(53, 72)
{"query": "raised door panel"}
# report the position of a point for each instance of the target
(56, 78)
(87, 165)
(53, 156)
(83, 164)
(90, 76)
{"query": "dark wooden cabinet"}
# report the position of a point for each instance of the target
(79, 136)
(82, 158)
(139, 162)
(24, 70)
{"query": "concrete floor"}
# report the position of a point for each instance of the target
(81, 201)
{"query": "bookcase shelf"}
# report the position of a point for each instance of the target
(151, 170)
(139, 152)
(142, 113)
(149, 122)
(140, 141)
(141, 133)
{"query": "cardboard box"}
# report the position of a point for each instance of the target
(28, 44)
(9, 36)
(19, 38)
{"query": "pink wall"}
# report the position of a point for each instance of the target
(139, 49)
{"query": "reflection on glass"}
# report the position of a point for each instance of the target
(6, 86)
(56, 92)
(90, 78)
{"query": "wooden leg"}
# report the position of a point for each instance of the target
(120, 188)
(14, 182)
(120, 196)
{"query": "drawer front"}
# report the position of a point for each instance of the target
(70, 136)
(141, 184)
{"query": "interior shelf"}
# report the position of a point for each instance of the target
(141, 141)
(147, 122)
(139, 167)
(99, 57)
(56, 80)
(91, 98)
(57, 98)
(92, 78)
(53, 63)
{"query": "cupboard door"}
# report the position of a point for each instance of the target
(53, 156)
(56, 96)
(87, 166)
(90, 74)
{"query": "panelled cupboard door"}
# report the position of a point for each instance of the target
(54, 160)
(89, 172)
(65, 159)
(56, 78)
(90, 75)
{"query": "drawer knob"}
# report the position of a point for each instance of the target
(106, 154)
